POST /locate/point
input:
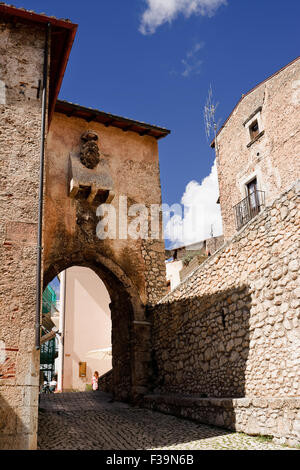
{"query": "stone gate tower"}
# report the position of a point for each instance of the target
(90, 158)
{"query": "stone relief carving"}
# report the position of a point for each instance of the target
(90, 180)
(89, 153)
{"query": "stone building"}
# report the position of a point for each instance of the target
(58, 162)
(183, 260)
(258, 148)
(226, 341)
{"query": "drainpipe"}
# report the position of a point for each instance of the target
(41, 190)
(63, 281)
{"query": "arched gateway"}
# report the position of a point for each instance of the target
(90, 158)
(127, 170)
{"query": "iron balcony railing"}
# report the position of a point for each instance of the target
(249, 208)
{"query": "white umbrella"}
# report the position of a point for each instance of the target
(100, 353)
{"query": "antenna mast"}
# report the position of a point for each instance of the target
(211, 125)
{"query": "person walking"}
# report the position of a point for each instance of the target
(95, 385)
(53, 384)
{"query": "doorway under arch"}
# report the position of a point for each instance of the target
(80, 311)
(130, 330)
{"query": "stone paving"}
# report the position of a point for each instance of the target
(90, 421)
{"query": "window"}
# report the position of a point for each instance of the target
(82, 369)
(254, 130)
(254, 127)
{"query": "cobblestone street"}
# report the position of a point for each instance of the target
(89, 421)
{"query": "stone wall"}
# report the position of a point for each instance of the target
(191, 266)
(106, 382)
(155, 273)
(21, 68)
(232, 328)
(213, 244)
(273, 158)
(276, 417)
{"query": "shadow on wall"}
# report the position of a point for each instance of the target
(14, 433)
(105, 382)
(201, 345)
(200, 353)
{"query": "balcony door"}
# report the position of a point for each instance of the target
(253, 198)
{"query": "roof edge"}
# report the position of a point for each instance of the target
(250, 91)
(30, 15)
(63, 66)
(108, 119)
(67, 30)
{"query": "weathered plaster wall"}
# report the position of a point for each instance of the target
(173, 269)
(132, 162)
(132, 270)
(21, 68)
(274, 157)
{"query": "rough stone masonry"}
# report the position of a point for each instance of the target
(231, 330)
(21, 68)
(272, 156)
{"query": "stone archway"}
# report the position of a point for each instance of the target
(130, 330)
(88, 163)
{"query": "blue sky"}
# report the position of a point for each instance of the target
(163, 78)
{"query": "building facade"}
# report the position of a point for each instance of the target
(258, 148)
(182, 261)
(226, 340)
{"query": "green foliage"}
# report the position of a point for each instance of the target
(264, 438)
(188, 258)
(259, 438)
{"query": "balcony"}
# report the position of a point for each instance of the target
(249, 208)
(49, 352)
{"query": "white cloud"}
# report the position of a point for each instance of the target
(201, 213)
(195, 49)
(191, 62)
(191, 67)
(163, 11)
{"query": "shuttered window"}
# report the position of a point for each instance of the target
(82, 369)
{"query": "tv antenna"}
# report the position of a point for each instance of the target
(210, 111)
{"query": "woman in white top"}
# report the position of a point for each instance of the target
(53, 385)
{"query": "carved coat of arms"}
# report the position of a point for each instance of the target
(89, 152)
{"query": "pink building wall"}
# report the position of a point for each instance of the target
(87, 326)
